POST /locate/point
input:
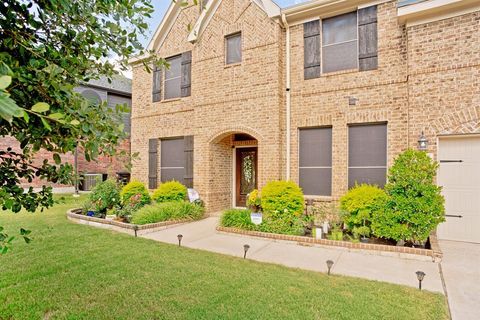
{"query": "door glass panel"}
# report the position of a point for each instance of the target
(248, 174)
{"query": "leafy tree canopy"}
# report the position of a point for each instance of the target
(47, 48)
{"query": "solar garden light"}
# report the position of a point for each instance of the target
(420, 276)
(245, 249)
(329, 265)
(135, 228)
(180, 240)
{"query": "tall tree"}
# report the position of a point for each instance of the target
(47, 48)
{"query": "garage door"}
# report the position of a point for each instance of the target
(459, 175)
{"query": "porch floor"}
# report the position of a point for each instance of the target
(203, 235)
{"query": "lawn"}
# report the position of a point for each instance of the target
(72, 271)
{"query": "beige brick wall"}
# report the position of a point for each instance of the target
(225, 99)
(428, 78)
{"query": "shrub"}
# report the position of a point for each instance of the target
(282, 197)
(105, 195)
(237, 218)
(135, 192)
(254, 201)
(282, 204)
(170, 191)
(165, 211)
(357, 204)
(414, 206)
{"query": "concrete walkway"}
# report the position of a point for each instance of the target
(461, 271)
(202, 235)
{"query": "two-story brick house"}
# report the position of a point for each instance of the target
(324, 93)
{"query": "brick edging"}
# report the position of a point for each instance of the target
(344, 244)
(71, 213)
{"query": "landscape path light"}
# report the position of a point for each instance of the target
(329, 265)
(245, 249)
(420, 276)
(179, 237)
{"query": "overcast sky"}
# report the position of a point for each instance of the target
(162, 5)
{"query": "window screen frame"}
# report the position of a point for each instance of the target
(322, 55)
(165, 80)
(316, 167)
(227, 37)
(350, 125)
(162, 167)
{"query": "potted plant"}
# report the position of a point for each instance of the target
(254, 204)
(87, 209)
(362, 232)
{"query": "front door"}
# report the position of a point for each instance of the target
(245, 174)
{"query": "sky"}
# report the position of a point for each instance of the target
(162, 5)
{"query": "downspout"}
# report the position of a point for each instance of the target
(288, 101)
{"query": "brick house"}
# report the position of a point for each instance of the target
(119, 91)
(325, 93)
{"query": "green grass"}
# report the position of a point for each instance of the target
(72, 271)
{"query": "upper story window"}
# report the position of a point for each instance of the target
(233, 44)
(174, 81)
(344, 42)
(340, 43)
(173, 78)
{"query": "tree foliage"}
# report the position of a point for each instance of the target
(47, 48)
(414, 205)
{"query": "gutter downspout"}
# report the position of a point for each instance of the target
(288, 100)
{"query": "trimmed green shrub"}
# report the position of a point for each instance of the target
(237, 218)
(135, 192)
(170, 191)
(281, 197)
(282, 204)
(105, 195)
(414, 206)
(357, 204)
(165, 211)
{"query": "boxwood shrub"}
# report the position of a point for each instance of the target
(175, 210)
(135, 192)
(170, 191)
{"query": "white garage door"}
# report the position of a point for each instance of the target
(459, 175)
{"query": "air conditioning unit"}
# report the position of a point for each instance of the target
(89, 180)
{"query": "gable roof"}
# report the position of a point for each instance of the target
(268, 6)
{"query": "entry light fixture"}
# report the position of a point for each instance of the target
(329, 265)
(245, 249)
(179, 237)
(420, 276)
(422, 142)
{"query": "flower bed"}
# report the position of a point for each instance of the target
(407, 252)
(75, 215)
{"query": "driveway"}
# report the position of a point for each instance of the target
(203, 235)
(461, 272)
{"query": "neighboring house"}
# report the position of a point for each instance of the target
(325, 93)
(117, 92)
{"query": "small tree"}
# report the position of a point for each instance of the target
(414, 206)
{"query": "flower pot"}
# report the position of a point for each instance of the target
(256, 218)
(364, 240)
(90, 213)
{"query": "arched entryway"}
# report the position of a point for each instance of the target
(233, 168)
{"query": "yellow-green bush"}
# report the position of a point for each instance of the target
(135, 192)
(358, 203)
(170, 191)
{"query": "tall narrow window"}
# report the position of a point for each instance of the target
(315, 158)
(340, 43)
(367, 154)
(172, 160)
(173, 77)
(234, 48)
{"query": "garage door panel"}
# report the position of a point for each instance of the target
(460, 183)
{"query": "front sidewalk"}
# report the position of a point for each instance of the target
(202, 235)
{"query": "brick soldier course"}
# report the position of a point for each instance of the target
(427, 79)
